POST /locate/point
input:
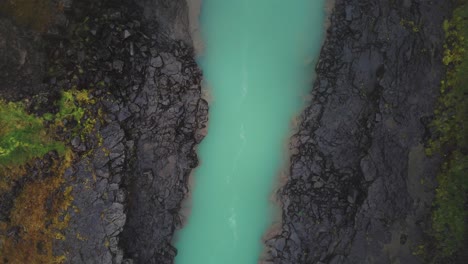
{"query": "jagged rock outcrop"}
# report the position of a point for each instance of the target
(169, 117)
(155, 113)
(360, 185)
(139, 65)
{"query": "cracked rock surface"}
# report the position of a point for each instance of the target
(155, 115)
(354, 194)
(129, 181)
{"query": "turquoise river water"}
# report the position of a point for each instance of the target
(258, 61)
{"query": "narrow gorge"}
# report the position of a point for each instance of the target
(247, 131)
(257, 70)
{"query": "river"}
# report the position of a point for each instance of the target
(258, 62)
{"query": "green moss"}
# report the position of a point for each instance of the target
(41, 206)
(23, 136)
(68, 108)
(449, 219)
(72, 107)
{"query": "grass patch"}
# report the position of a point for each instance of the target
(449, 218)
(23, 136)
(38, 215)
(38, 218)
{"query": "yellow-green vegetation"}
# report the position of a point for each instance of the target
(37, 14)
(409, 24)
(71, 109)
(24, 136)
(38, 223)
(71, 102)
(39, 216)
(449, 219)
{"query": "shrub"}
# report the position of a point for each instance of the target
(449, 218)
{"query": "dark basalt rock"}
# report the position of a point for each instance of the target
(127, 187)
(150, 88)
(170, 112)
(22, 61)
(97, 213)
(171, 17)
(354, 193)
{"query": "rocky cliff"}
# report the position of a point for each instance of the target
(360, 187)
(130, 173)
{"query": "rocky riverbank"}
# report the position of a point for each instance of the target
(361, 186)
(131, 166)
